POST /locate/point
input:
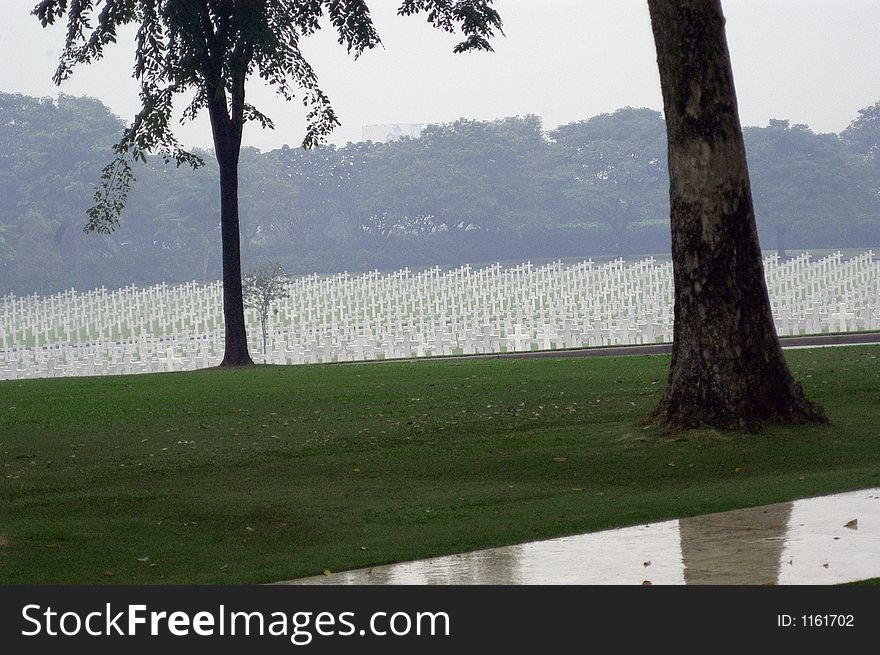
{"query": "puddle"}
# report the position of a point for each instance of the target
(824, 540)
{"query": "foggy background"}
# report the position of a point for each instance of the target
(516, 190)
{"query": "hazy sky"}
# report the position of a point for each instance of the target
(811, 61)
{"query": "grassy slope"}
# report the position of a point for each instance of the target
(278, 472)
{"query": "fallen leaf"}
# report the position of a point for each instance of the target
(852, 525)
(646, 582)
(355, 470)
(51, 545)
(249, 529)
(559, 460)
(327, 572)
(143, 559)
(108, 574)
(648, 563)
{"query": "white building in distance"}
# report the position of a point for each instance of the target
(392, 131)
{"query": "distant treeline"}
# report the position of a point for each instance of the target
(468, 191)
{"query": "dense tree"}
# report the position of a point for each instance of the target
(210, 49)
(863, 137)
(51, 151)
(326, 181)
(863, 134)
(370, 205)
(799, 178)
(727, 369)
(613, 169)
(457, 177)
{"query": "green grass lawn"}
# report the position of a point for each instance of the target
(273, 473)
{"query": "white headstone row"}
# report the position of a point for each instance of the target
(405, 314)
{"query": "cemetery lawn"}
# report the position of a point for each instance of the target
(271, 473)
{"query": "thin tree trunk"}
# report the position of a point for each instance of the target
(780, 243)
(226, 147)
(236, 352)
(264, 324)
(727, 370)
(619, 225)
(205, 265)
(77, 261)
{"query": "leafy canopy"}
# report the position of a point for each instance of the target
(863, 134)
(208, 48)
(263, 285)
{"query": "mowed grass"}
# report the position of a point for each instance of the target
(270, 473)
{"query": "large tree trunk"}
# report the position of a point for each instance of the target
(727, 370)
(227, 141)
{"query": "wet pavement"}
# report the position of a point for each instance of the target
(823, 540)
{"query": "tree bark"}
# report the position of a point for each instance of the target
(227, 141)
(727, 369)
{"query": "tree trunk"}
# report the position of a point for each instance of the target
(77, 262)
(226, 147)
(205, 265)
(727, 370)
(264, 323)
(619, 224)
(780, 244)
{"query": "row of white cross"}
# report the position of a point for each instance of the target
(408, 314)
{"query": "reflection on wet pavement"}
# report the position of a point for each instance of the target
(823, 540)
(741, 547)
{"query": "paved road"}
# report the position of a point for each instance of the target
(851, 339)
